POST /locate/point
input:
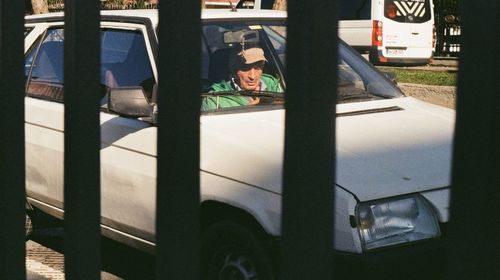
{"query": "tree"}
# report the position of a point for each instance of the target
(40, 6)
(280, 5)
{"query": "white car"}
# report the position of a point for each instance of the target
(393, 151)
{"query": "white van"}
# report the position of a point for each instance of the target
(390, 31)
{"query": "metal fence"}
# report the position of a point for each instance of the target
(448, 30)
(473, 245)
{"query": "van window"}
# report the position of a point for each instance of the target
(355, 9)
(408, 11)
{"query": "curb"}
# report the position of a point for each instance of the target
(439, 95)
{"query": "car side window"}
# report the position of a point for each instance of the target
(46, 79)
(30, 55)
(124, 63)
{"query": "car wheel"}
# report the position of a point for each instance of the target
(28, 226)
(232, 252)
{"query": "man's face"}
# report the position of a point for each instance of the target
(249, 76)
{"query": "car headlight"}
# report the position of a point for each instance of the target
(394, 221)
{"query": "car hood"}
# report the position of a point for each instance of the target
(384, 148)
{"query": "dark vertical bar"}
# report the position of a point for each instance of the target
(309, 166)
(178, 194)
(82, 139)
(474, 237)
(12, 175)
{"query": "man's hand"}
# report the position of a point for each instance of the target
(254, 101)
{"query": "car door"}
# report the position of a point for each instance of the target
(128, 147)
(44, 118)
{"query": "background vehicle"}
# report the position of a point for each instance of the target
(391, 31)
(389, 193)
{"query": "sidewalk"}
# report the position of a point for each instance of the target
(438, 95)
(445, 61)
(43, 263)
(436, 65)
(34, 276)
(441, 64)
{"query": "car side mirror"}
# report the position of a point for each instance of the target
(129, 102)
(390, 75)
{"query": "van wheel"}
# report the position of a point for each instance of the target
(232, 252)
(28, 226)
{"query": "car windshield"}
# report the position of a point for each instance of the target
(244, 64)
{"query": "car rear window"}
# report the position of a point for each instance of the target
(408, 11)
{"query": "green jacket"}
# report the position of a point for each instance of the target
(215, 102)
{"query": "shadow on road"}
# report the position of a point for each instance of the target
(122, 262)
(117, 261)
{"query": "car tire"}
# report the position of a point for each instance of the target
(28, 227)
(231, 251)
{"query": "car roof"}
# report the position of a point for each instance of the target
(152, 14)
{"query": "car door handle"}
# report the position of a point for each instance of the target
(415, 33)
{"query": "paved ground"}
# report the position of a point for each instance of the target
(438, 64)
(45, 259)
(43, 263)
(431, 67)
(439, 95)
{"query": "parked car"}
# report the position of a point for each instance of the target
(393, 151)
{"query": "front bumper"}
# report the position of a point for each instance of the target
(420, 260)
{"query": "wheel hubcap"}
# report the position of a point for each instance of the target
(238, 267)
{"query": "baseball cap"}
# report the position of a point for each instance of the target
(252, 55)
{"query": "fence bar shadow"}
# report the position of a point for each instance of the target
(12, 174)
(474, 240)
(82, 140)
(308, 195)
(178, 192)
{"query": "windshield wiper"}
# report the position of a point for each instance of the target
(359, 95)
(249, 93)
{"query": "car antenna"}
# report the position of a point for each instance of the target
(233, 8)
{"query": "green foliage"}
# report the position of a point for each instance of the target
(124, 4)
(58, 5)
(425, 77)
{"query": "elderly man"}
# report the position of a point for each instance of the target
(247, 75)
